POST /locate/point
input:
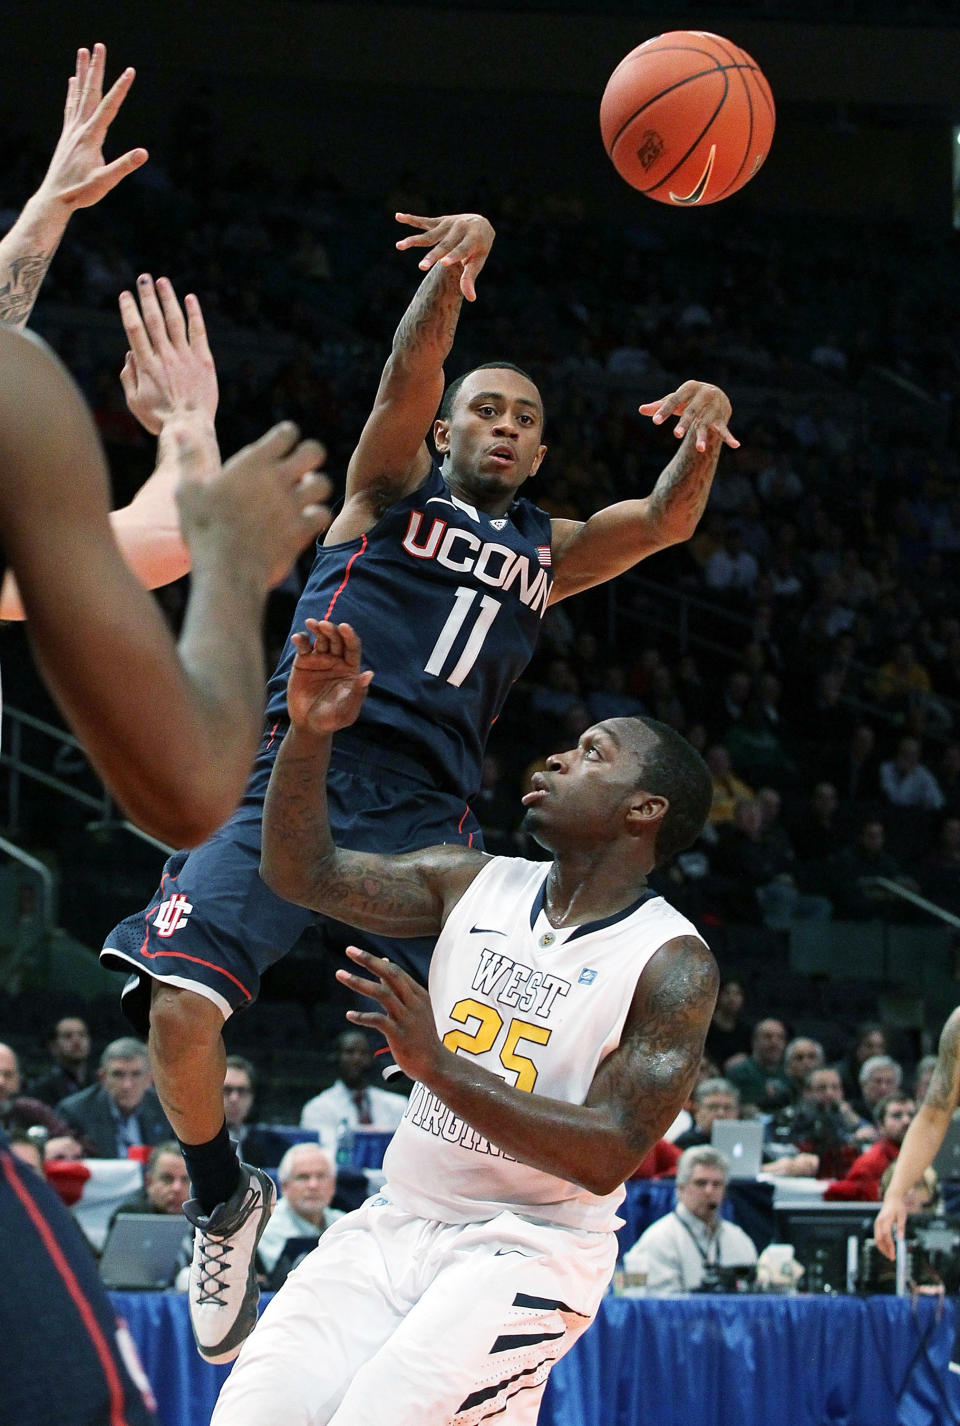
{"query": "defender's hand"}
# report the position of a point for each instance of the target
(890, 1223)
(405, 1016)
(260, 510)
(327, 686)
(701, 408)
(77, 176)
(463, 239)
(169, 367)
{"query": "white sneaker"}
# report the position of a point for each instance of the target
(223, 1290)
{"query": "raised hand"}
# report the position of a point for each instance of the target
(405, 1016)
(261, 509)
(326, 687)
(168, 368)
(77, 176)
(701, 408)
(458, 239)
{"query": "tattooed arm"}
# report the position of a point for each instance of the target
(617, 538)
(924, 1136)
(391, 457)
(405, 895)
(77, 178)
(636, 1092)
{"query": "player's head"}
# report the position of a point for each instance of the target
(634, 777)
(489, 430)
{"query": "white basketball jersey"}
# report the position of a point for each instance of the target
(542, 1008)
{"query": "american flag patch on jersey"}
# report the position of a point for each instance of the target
(543, 555)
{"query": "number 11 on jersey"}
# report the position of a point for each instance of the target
(456, 621)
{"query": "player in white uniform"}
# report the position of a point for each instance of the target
(566, 1015)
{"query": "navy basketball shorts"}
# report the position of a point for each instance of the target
(63, 1355)
(213, 927)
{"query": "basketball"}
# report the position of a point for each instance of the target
(687, 118)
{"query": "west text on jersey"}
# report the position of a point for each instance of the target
(519, 986)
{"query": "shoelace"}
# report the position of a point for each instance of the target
(214, 1266)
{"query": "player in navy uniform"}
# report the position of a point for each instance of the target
(446, 573)
(565, 1022)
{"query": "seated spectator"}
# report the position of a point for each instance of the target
(731, 569)
(901, 679)
(939, 872)
(351, 1102)
(823, 1123)
(880, 1076)
(756, 747)
(308, 1178)
(672, 1254)
(800, 1057)
(166, 1185)
(20, 1112)
(612, 699)
(69, 1048)
(728, 789)
(855, 771)
(922, 1076)
(712, 1099)
(906, 782)
(728, 1037)
(862, 1180)
(121, 1111)
(761, 1079)
(257, 1143)
(870, 1039)
(759, 883)
(859, 862)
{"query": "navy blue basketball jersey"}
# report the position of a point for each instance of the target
(448, 604)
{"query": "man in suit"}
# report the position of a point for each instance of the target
(120, 1111)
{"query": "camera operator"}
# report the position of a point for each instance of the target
(823, 1123)
(686, 1250)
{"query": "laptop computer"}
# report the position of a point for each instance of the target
(742, 1142)
(143, 1250)
(947, 1161)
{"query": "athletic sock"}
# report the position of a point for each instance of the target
(214, 1169)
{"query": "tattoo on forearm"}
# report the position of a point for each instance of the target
(19, 294)
(431, 319)
(684, 486)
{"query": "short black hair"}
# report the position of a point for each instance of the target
(673, 769)
(450, 395)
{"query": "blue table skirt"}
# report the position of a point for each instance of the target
(692, 1361)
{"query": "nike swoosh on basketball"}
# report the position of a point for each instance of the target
(700, 187)
(485, 931)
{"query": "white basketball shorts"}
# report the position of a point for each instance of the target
(395, 1320)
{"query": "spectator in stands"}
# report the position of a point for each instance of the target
(901, 680)
(758, 875)
(823, 1124)
(166, 1186)
(761, 1079)
(921, 1077)
(870, 1039)
(258, 1144)
(862, 1180)
(880, 1076)
(351, 1102)
(712, 1099)
(120, 1111)
(847, 876)
(855, 772)
(817, 832)
(729, 1037)
(69, 1047)
(673, 1253)
(801, 1056)
(728, 789)
(308, 1178)
(906, 782)
(612, 699)
(755, 745)
(939, 872)
(20, 1112)
(731, 570)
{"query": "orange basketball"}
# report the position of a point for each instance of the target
(687, 118)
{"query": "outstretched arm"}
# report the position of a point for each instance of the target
(171, 732)
(77, 177)
(391, 457)
(399, 895)
(168, 376)
(617, 538)
(636, 1092)
(923, 1138)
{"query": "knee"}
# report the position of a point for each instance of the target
(182, 1021)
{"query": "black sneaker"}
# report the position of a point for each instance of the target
(223, 1292)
